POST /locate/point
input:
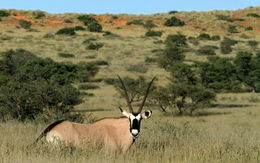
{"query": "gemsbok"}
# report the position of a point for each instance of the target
(115, 134)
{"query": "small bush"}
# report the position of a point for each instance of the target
(194, 41)
(3, 13)
(95, 27)
(204, 36)
(48, 35)
(215, 38)
(66, 31)
(89, 40)
(135, 22)
(94, 46)
(248, 28)
(149, 24)
(255, 15)
(225, 45)
(207, 50)
(176, 40)
(65, 55)
(110, 34)
(173, 12)
(110, 81)
(150, 60)
(252, 43)
(88, 86)
(152, 33)
(173, 21)
(79, 28)
(86, 19)
(232, 29)
(25, 24)
(38, 14)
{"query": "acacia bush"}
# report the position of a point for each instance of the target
(66, 55)
(66, 31)
(39, 87)
(25, 24)
(94, 46)
(38, 14)
(225, 45)
(175, 47)
(173, 21)
(92, 24)
(207, 50)
(4, 13)
(152, 33)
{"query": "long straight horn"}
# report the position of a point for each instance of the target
(126, 95)
(146, 94)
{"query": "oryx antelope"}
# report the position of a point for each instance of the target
(113, 133)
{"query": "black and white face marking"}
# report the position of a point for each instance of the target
(135, 121)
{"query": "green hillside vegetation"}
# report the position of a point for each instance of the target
(205, 99)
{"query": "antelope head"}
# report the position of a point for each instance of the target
(135, 117)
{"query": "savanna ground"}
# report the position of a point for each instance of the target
(227, 132)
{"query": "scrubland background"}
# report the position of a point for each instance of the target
(229, 132)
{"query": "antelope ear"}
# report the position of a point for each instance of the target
(147, 114)
(125, 113)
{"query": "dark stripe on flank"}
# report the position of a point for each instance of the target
(51, 126)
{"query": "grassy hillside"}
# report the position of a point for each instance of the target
(229, 132)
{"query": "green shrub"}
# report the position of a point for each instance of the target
(79, 28)
(173, 12)
(215, 38)
(38, 14)
(25, 24)
(41, 87)
(232, 29)
(48, 35)
(89, 40)
(177, 40)
(65, 55)
(66, 31)
(93, 24)
(249, 28)
(255, 15)
(110, 81)
(95, 27)
(4, 13)
(194, 41)
(225, 45)
(204, 36)
(150, 60)
(94, 46)
(252, 43)
(207, 50)
(173, 21)
(152, 33)
(86, 19)
(149, 24)
(110, 34)
(135, 22)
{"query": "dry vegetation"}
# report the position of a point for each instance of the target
(228, 132)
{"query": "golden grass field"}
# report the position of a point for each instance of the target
(229, 132)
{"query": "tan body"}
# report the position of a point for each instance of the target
(113, 133)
